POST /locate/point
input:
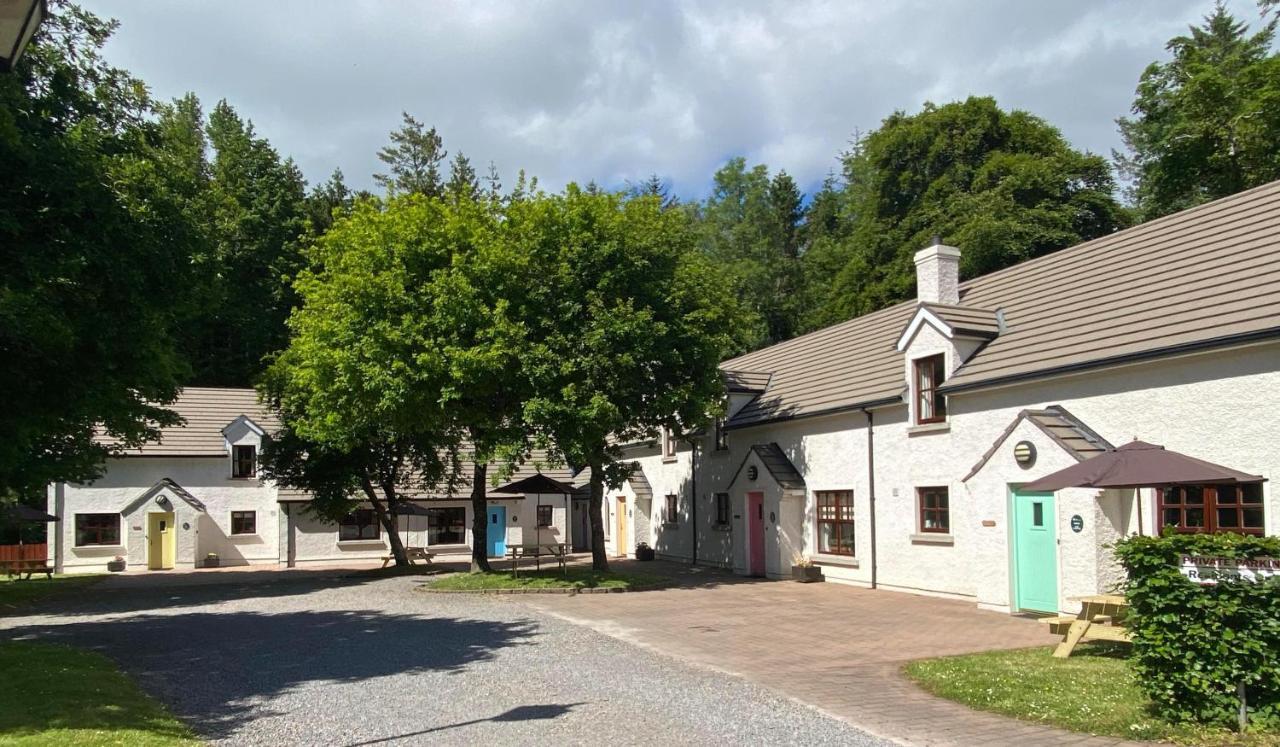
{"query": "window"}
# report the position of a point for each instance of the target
(97, 529)
(722, 438)
(447, 526)
(244, 522)
(668, 444)
(673, 510)
(1213, 508)
(722, 509)
(360, 524)
(935, 512)
(244, 461)
(931, 405)
(835, 522)
(544, 516)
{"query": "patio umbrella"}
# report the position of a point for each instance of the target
(1140, 465)
(1137, 465)
(539, 484)
(409, 509)
(20, 512)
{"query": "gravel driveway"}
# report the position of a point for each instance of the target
(363, 662)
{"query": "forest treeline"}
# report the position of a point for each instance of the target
(149, 244)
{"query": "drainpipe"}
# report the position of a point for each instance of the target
(693, 488)
(871, 482)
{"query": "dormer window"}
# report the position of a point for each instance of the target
(668, 445)
(722, 437)
(244, 461)
(931, 405)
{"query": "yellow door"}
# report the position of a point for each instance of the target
(162, 541)
(622, 525)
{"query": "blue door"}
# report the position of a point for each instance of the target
(496, 532)
(1035, 552)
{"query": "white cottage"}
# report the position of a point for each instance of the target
(890, 449)
(196, 492)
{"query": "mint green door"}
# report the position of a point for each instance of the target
(1035, 552)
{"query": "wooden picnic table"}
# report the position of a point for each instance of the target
(559, 551)
(29, 567)
(1101, 618)
(412, 554)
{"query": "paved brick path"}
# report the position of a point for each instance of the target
(836, 647)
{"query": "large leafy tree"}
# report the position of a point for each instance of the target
(405, 358)
(627, 323)
(1003, 185)
(95, 253)
(1205, 122)
(359, 384)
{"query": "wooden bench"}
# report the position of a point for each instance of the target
(412, 554)
(1100, 619)
(28, 567)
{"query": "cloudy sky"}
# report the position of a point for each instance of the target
(613, 91)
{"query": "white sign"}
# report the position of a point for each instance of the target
(1207, 570)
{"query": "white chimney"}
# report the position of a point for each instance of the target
(938, 274)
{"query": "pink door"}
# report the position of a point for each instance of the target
(755, 533)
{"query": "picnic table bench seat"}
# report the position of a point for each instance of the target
(28, 567)
(412, 554)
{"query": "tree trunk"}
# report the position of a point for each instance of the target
(480, 520)
(385, 511)
(599, 561)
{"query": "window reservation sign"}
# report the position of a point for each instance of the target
(1208, 570)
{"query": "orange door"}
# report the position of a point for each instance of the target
(622, 525)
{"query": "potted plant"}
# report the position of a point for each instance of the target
(643, 551)
(805, 571)
(212, 560)
(116, 564)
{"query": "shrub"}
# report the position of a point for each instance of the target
(1194, 644)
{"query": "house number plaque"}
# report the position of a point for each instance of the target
(1077, 524)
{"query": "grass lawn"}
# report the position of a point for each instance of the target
(57, 695)
(578, 578)
(1094, 691)
(15, 594)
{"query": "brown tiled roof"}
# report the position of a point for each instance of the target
(206, 410)
(1068, 431)
(1205, 276)
(745, 381)
(461, 490)
(966, 320)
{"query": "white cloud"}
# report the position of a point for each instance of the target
(612, 91)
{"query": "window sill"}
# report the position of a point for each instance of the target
(722, 527)
(98, 547)
(353, 543)
(243, 535)
(923, 428)
(932, 538)
(670, 460)
(844, 561)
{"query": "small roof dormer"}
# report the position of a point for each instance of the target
(952, 322)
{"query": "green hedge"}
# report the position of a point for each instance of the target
(1193, 644)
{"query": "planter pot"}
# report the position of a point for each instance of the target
(806, 574)
(644, 553)
(212, 562)
(115, 566)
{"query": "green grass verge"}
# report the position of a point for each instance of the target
(15, 594)
(1094, 691)
(578, 578)
(58, 695)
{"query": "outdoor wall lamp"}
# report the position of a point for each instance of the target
(19, 19)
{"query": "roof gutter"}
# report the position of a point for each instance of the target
(856, 407)
(1117, 360)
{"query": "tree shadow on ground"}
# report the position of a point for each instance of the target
(543, 712)
(145, 593)
(215, 669)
